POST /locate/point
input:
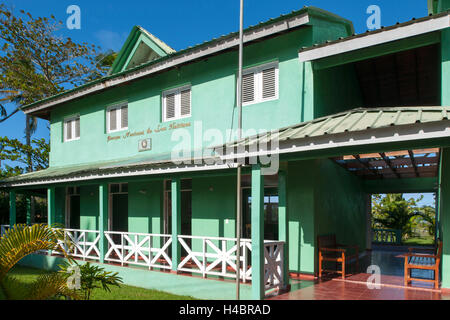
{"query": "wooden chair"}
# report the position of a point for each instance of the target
(330, 250)
(423, 261)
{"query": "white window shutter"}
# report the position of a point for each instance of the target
(170, 106)
(185, 104)
(68, 130)
(124, 117)
(269, 83)
(248, 88)
(77, 127)
(112, 119)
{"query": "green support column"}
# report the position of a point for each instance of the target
(51, 207)
(444, 209)
(12, 208)
(176, 222)
(257, 222)
(28, 205)
(103, 219)
(283, 222)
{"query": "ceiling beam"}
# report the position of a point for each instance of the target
(365, 164)
(389, 163)
(413, 162)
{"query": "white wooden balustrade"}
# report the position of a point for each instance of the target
(84, 243)
(144, 249)
(215, 256)
(273, 266)
(202, 255)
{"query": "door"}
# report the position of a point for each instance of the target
(118, 209)
(73, 206)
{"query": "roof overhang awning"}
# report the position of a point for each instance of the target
(358, 130)
(397, 32)
(113, 170)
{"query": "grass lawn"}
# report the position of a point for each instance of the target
(27, 275)
(424, 241)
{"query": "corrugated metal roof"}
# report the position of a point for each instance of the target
(368, 33)
(160, 162)
(352, 121)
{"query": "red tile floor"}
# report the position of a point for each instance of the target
(354, 287)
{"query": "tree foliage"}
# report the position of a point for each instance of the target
(392, 211)
(17, 153)
(36, 63)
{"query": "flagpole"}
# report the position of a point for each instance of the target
(239, 136)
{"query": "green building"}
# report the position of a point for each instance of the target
(143, 161)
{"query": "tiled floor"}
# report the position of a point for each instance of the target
(354, 287)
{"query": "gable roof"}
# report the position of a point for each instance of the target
(268, 28)
(138, 36)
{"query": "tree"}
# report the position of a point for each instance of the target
(394, 212)
(21, 241)
(36, 63)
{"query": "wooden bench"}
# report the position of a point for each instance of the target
(330, 250)
(423, 261)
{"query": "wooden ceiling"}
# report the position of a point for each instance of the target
(393, 165)
(404, 78)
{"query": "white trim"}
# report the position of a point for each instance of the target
(200, 52)
(66, 121)
(177, 92)
(257, 71)
(118, 107)
(370, 40)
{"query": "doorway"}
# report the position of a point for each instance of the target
(118, 207)
(73, 207)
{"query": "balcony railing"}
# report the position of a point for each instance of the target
(387, 236)
(139, 249)
(207, 256)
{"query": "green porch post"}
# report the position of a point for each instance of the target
(51, 207)
(12, 208)
(176, 222)
(283, 222)
(103, 219)
(257, 222)
(28, 205)
(444, 209)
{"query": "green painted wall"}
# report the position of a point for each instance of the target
(340, 205)
(145, 207)
(335, 90)
(60, 206)
(323, 198)
(213, 82)
(445, 67)
(301, 215)
(89, 208)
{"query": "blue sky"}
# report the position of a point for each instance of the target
(182, 23)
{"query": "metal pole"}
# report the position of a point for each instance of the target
(239, 136)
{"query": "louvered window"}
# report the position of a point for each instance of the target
(177, 103)
(72, 128)
(260, 84)
(117, 117)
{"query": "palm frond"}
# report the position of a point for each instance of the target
(22, 240)
(50, 285)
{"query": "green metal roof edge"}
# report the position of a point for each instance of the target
(341, 114)
(305, 9)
